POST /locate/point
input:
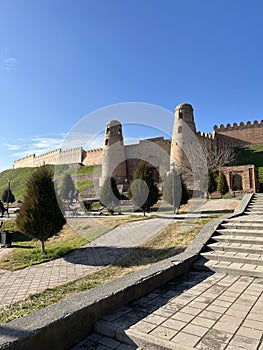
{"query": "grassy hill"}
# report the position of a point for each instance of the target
(19, 177)
(252, 154)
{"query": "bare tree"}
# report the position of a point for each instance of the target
(199, 158)
(217, 155)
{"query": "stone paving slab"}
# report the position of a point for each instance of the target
(198, 310)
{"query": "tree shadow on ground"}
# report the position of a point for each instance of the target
(105, 255)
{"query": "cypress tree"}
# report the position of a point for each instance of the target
(8, 196)
(175, 191)
(67, 187)
(185, 196)
(222, 185)
(40, 215)
(143, 191)
(110, 195)
(212, 185)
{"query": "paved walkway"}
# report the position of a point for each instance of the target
(17, 285)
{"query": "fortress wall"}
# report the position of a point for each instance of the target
(152, 150)
(46, 158)
(133, 156)
(93, 157)
(24, 162)
(57, 156)
(70, 156)
(249, 133)
(230, 141)
(221, 139)
(205, 136)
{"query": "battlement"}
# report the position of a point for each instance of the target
(31, 156)
(205, 135)
(54, 152)
(241, 126)
(70, 150)
(94, 150)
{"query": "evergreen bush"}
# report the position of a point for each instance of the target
(40, 215)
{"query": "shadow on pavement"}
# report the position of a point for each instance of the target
(104, 255)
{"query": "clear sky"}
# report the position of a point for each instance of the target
(60, 60)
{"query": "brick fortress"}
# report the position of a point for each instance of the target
(120, 160)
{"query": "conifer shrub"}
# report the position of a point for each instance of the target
(110, 195)
(40, 216)
(222, 185)
(8, 196)
(67, 188)
(143, 191)
(175, 191)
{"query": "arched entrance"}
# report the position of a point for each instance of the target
(237, 182)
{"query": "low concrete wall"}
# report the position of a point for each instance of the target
(67, 322)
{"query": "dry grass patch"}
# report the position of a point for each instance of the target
(27, 252)
(170, 241)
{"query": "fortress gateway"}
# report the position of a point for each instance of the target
(120, 160)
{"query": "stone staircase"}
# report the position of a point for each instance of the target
(236, 248)
(255, 206)
(237, 245)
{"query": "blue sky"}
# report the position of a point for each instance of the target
(61, 60)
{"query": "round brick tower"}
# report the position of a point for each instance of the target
(183, 134)
(113, 157)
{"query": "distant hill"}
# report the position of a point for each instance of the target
(19, 177)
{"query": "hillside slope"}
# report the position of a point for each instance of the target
(252, 154)
(19, 177)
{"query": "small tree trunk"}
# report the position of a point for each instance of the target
(43, 247)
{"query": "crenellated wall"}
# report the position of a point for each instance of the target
(241, 134)
(24, 162)
(71, 156)
(58, 156)
(93, 157)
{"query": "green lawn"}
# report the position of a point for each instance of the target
(27, 251)
(19, 177)
(252, 154)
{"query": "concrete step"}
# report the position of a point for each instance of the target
(242, 226)
(235, 268)
(200, 264)
(244, 258)
(236, 247)
(252, 212)
(238, 232)
(254, 205)
(232, 268)
(130, 337)
(240, 240)
(254, 208)
(97, 341)
(247, 219)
